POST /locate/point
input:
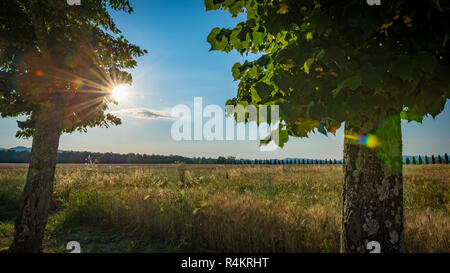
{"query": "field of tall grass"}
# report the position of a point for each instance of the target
(214, 208)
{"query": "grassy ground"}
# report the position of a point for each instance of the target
(211, 208)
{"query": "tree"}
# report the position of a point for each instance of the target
(420, 160)
(426, 160)
(231, 160)
(433, 160)
(414, 160)
(58, 64)
(446, 158)
(221, 160)
(329, 62)
(439, 159)
(407, 161)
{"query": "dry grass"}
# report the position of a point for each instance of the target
(211, 208)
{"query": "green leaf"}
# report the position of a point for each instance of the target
(307, 65)
(253, 72)
(211, 39)
(283, 81)
(282, 138)
(258, 38)
(303, 126)
(321, 128)
(351, 83)
(236, 70)
(264, 60)
(438, 4)
(426, 61)
(261, 91)
(235, 7)
(213, 4)
(412, 114)
(235, 39)
(320, 54)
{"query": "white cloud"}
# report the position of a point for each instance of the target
(143, 113)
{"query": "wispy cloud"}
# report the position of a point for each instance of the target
(143, 113)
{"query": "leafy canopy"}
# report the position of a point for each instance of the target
(70, 57)
(326, 62)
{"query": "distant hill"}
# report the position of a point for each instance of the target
(22, 149)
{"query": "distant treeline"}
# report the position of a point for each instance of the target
(9, 156)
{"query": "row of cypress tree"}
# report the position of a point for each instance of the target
(427, 160)
(287, 161)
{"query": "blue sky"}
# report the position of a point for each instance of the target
(178, 68)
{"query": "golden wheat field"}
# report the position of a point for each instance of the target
(217, 208)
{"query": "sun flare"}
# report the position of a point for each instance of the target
(120, 92)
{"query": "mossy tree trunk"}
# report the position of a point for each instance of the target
(373, 188)
(34, 207)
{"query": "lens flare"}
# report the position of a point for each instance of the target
(77, 84)
(120, 92)
(369, 140)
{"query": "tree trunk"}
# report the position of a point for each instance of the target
(32, 218)
(373, 188)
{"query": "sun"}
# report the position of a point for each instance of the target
(120, 92)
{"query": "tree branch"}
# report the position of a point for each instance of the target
(40, 29)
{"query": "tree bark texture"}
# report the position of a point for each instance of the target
(33, 211)
(373, 188)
